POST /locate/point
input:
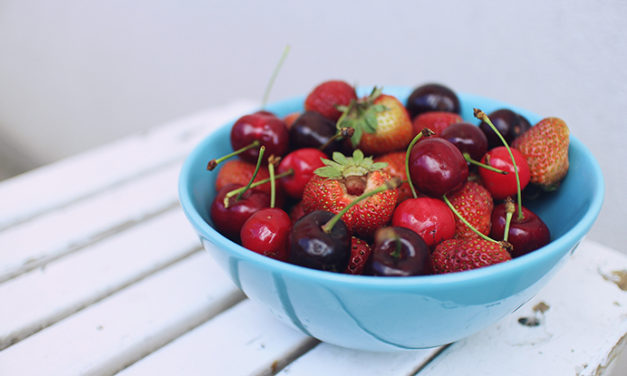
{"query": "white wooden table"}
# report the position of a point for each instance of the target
(100, 273)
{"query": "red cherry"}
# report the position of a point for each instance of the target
(266, 232)
(525, 235)
(303, 163)
(437, 167)
(261, 126)
(429, 217)
(500, 185)
(229, 220)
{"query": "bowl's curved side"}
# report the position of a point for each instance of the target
(387, 314)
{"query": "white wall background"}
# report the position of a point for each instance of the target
(75, 74)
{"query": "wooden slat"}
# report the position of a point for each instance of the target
(58, 184)
(47, 237)
(44, 296)
(583, 322)
(117, 331)
(245, 340)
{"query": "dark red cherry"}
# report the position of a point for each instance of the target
(468, 138)
(228, 220)
(432, 97)
(303, 163)
(437, 167)
(429, 217)
(312, 247)
(398, 252)
(261, 126)
(500, 185)
(313, 130)
(509, 124)
(266, 233)
(525, 235)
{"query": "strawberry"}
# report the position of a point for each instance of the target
(456, 255)
(396, 167)
(325, 98)
(380, 121)
(473, 202)
(360, 252)
(341, 181)
(239, 172)
(437, 121)
(289, 118)
(545, 147)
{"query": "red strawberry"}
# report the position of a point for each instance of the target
(545, 147)
(456, 255)
(240, 172)
(325, 97)
(380, 121)
(437, 121)
(341, 181)
(360, 252)
(289, 118)
(473, 202)
(396, 167)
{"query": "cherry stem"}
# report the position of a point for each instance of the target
(397, 249)
(214, 162)
(390, 184)
(469, 159)
(509, 212)
(255, 184)
(341, 133)
(425, 132)
(271, 162)
(275, 73)
(482, 116)
(461, 217)
(259, 159)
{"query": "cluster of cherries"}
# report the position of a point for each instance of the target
(258, 219)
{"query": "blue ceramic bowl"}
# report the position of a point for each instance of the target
(391, 314)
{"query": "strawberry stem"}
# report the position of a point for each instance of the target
(390, 184)
(261, 151)
(483, 117)
(275, 73)
(425, 132)
(481, 235)
(469, 159)
(256, 184)
(214, 162)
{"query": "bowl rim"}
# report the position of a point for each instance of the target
(435, 281)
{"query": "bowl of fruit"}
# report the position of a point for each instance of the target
(393, 218)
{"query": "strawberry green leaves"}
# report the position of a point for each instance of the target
(361, 115)
(342, 166)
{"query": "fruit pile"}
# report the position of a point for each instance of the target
(375, 186)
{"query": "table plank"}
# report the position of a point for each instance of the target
(584, 319)
(80, 176)
(119, 330)
(52, 235)
(44, 296)
(245, 340)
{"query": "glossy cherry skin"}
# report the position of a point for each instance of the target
(499, 185)
(525, 235)
(437, 167)
(266, 233)
(509, 124)
(311, 247)
(432, 97)
(312, 130)
(398, 252)
(303, 163)
(467, 138)
(429, 217)
(264, 127)
(229, 220)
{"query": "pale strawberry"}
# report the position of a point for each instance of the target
(545, 147)
(473, 202)
(240, 172)
(396, 167)
(456, 255)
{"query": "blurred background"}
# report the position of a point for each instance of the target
(77, 74)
